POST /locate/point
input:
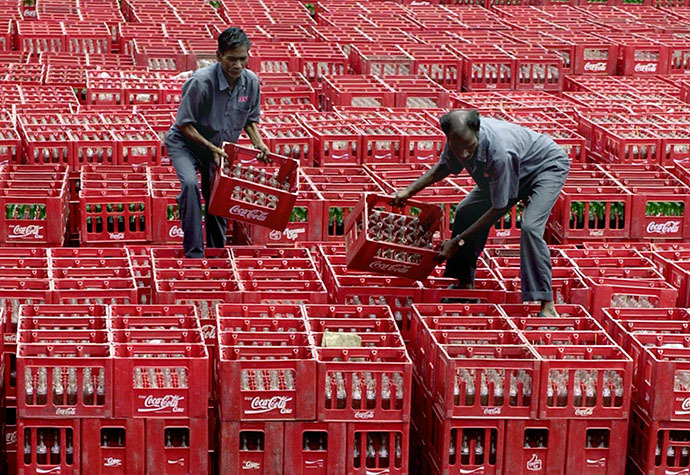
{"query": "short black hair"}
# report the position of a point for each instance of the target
(456, 120)
(232, 38)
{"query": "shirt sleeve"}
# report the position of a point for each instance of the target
(449, 160)
(190, 103)
(503, 169)
(255, 110)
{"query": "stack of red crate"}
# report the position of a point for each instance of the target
(65, 375)
(34, 201)
(160, 386)
(585, 382)
(467, 356)
(657, 340)
(25, 280)
(165, 187)
(266, 368)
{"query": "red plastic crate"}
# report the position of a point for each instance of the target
(65, 456)
(115, 215)
(535, 447)
(10, 145)
(380, 447)
(657, 447)
(87, 359)
(224, 202)
(183, 395)
(336, 398)
(486, 68)
(251, 447)
(180, 445)
(15, 292)
(596, 446)
(476, 392)
(421, 143)
(380, 60)
(116, 446)
(265, 404)
(290, 140)
(608, 210)
(559, 364)
(94, 290)
(380, 143)
(316, 447)
(336, 143)
(466, 445)
(367, 254)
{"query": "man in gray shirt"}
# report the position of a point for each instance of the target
(218, 102)
(509, 163)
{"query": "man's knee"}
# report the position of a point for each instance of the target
(532, 229)
(189, 184)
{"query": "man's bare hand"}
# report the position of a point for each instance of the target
(449, 248)
(263, 156)
(400, 197)
(218, 154)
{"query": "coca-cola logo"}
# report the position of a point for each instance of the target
(250, 465)
(686, 404)
(262, 405)
(645, 68)
(48, 470)
(158, 404)
(503, 233)
(364, 415)
(397, 268)
(492, 411)
(584, 411)
(596, 232)
(534, 464)
(65, 411)
(596, 67)
(314, 463)
(11, 438)
(254, 214)
(117, 236)
(20, 232)
(176, 232)
(472, 470)
(179, 461)
(12, 337)
(208, 332)
(112, 462)
(668, 227)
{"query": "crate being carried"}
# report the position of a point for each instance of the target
(246, 190)
(392, 240)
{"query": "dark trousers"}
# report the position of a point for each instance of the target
(535, 260)
(187, 163)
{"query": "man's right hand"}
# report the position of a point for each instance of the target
(218, 153)
(400, 197)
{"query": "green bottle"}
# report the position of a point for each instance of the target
(9, 211)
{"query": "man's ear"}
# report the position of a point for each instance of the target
(218, 57)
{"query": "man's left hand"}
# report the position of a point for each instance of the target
(449, 248)
(263, 156)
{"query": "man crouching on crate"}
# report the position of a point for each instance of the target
(509, 163)
(218, 101)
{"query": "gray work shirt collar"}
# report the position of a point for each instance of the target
(223, 82)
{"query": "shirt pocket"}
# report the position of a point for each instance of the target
(238, 114)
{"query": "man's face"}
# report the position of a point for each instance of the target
(233, 61)
(464, 144)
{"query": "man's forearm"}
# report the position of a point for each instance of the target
(437, 173)
(485, 221)
(254, 134)
(191, 133)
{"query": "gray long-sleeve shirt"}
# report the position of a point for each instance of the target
(506, 160)
(218, 112)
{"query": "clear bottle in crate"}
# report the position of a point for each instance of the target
(42, 388)
(58, 389)
(41, 450)
(55, 448)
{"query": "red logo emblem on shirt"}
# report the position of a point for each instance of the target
(242, 98)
